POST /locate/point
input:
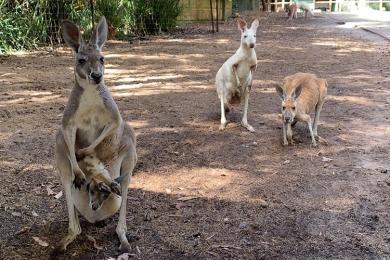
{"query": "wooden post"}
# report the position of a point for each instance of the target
(380, 5)
(283, 5)
(217, 9)
(330, 5)
(211, 15)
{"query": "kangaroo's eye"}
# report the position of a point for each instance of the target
(102, 60)
(254, 35)
(293, 108)
(284, 108)
(245, 36)
(81, 61)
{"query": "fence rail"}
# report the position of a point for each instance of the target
(275, 5)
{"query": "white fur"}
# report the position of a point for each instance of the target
(229, 81)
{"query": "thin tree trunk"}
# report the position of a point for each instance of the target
(92, 12)
(217, 8)
(211, 14)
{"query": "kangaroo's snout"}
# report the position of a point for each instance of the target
(97, 77)
(252, 45)
(94, 206)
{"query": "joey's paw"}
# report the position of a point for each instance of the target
(116, 188)
(79, 180)
(285, 143)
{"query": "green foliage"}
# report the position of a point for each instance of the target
(21, 26)
(374, 6)
(386, 6)
(26, 24)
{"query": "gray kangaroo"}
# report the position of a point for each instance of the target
(92, 124)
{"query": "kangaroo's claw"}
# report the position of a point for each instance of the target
(116, 188)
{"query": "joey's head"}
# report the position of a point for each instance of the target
(248, 35)
(98, 192)
(289, 103)
(89, 65)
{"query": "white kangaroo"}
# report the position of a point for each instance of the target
(92, 125)
(234, 79)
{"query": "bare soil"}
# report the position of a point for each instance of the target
(201, 193)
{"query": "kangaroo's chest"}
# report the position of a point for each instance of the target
(243, 70)
(244, 66)
(91, 117)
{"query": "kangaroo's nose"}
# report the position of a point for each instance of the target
(252, 45)
(94, 207)
(97, 76)
(287, 118)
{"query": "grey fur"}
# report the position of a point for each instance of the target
(92, 124)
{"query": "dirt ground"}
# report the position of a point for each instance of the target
(197, 192)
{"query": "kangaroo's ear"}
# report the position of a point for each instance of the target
(72, 35)
(255, 24)
(296, 92)
(99, 34)
(241, 24)
(280, 92)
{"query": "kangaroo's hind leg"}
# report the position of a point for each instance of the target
(65, 171)
(126, 166)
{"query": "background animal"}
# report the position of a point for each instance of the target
(292, 9)
(234, 79)
(301, 93)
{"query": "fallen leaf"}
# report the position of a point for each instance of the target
(58, 195)
(16, 214)
(286, 162)
(187, 198)
(34, 213)
(23, 230)
(326, 159)
(93, 240)
(40, 242)
(125, 256)
(49, 191)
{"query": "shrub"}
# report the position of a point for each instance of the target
(27, 24)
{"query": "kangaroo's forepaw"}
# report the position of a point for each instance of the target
(285, 143)
(84, 152)
(314, 144)
(116, 188)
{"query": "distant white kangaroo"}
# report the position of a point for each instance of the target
(234, 79)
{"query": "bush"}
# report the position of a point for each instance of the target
(26, 24)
